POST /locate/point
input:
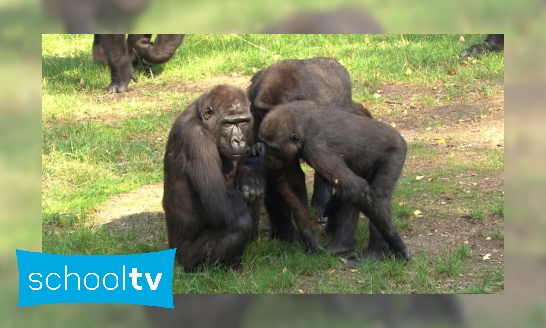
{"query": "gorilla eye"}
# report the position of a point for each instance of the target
(299, 97)
(294, 137)
(208, 110)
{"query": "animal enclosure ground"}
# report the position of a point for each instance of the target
(102, 173)
(474, 132)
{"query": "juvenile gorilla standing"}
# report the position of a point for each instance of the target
(122, 55)
(361, 157)
(207, 218)
(322, 80)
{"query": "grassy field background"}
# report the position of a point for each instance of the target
(102, 158)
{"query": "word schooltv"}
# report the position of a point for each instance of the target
(144, 279)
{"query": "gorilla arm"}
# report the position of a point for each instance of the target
(222, 207)
(162, 50)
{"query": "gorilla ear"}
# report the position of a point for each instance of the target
(294, 137)
(206, 113)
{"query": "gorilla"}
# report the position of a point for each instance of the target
(88, 16)
(343, 20)
(323, 80)
(122, 55)
(361, 157)
(207, 217)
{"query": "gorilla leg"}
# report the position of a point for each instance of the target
(342, 223)
(322, 191)
(98, 50)
(222, 247)
(255, 211)
(280, 215)
(376, 205)
(162, 50)
(121, 68)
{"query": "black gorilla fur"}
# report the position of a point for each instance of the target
(361, 157)
(493, 42)
(207, 218)
(326, 82)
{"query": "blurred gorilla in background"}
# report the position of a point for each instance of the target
(342, 20)
(89, 16)
(392, 311)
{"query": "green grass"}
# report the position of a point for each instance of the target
(97, 145)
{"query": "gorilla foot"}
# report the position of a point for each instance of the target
(289, 237)
(368, 254)
(475, 50)
(315, 249)
(337, 249)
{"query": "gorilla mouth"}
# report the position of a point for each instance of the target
(236, 155)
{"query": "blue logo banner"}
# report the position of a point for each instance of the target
(143, 279)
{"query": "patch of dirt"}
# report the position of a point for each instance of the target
(122, 208)
(153, 92)
(476, 124)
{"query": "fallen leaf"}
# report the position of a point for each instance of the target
(367, 40)
(353, 270)
(376, 95)
(461, 38)
(284, 270)
(332, 271)
(441, 141)
(401, 203)
(300, 291)
(428, 129)
(393, 124)
(487, 257)
(488, 238)
(417, 212)
(408, 71)
(419, 177)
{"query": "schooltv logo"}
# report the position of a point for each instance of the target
(143, 279)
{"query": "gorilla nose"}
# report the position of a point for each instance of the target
(238, 145)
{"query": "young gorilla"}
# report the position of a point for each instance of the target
(493, 42)
(322, 80)
(361, 157)
(122, 55)
(207, 218)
